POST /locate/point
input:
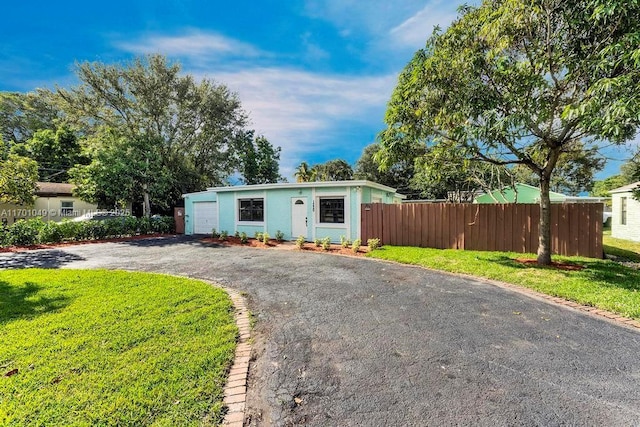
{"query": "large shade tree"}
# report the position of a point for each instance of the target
(194, 129)
(23, 114)
(259, 161)
(18, 176)
(398, 175)
(520, 82)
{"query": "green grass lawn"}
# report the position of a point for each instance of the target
(603, 284)
(112, 348)
(624, 249)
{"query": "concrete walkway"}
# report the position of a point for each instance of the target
(358, 342)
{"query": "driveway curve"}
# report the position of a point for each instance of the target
(359, 342)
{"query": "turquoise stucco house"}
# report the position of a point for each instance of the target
(311, 209)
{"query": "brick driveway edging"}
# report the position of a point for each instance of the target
(235, 391)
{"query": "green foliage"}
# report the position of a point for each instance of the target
(23, 114)
(279, 236)
(148, 337)
(373, 244)
(317, 242)
(55, 151)
(25, 232)
(259, 161)
(236, 234)
(124, 169)
(265, 238)
(573, 173)
(163, 224)
(35, 231)
(154, 132)
(521, 83)
(258, 235)
(50, 233)
(214, 234)
(398, 175)
(224, 235)
(300, 242)
(70, 230)
(344, 242)
(355, 247)
(326, 243)
(18, 177)
(243, 238)
(332, 170)
(303, 173)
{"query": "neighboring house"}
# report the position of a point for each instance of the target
(530, 194)
(625, 213)
(309, 209)
(54, 202)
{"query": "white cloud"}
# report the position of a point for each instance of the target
(193, 43)
(300, 111)
(414, 31)
(355, 16)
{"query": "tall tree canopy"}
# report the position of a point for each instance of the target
(23, 114)
(520, 82)
(304, 173)
(573, 174)
(331, 170)
(259, 161)
(193, 129)
(122, 170)
(18, 176)
(55, 151)
(398, 175)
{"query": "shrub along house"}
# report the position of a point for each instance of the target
(309, 209)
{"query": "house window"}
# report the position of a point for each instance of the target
(332, 210)
(66, 209)
(623, 211)
(251, 210)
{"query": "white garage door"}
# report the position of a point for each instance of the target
(205, 217)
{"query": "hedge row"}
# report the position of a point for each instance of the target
(36, 231)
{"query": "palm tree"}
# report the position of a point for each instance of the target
(303, 172)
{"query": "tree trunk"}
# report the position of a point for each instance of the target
(544, 233)
(146, 203)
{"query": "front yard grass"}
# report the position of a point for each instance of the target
(112, 348)
(625, 250)
(604, 284)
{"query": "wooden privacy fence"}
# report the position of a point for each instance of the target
(576, 228)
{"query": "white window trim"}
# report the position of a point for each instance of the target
(347, 209)
(243, 196)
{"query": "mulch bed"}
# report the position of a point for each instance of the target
(554, 264)
(81, 242)
(308, 247)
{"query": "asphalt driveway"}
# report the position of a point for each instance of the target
(358, 342)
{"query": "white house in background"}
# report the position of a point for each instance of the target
(625, 210)
(54, 202)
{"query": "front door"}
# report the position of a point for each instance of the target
(299, 218)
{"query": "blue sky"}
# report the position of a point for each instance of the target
(314, 75)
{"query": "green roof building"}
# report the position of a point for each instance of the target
(524, 193)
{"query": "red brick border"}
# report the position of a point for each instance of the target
(587, 309)
(235, 391)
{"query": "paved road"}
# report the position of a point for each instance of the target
(357, 342)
